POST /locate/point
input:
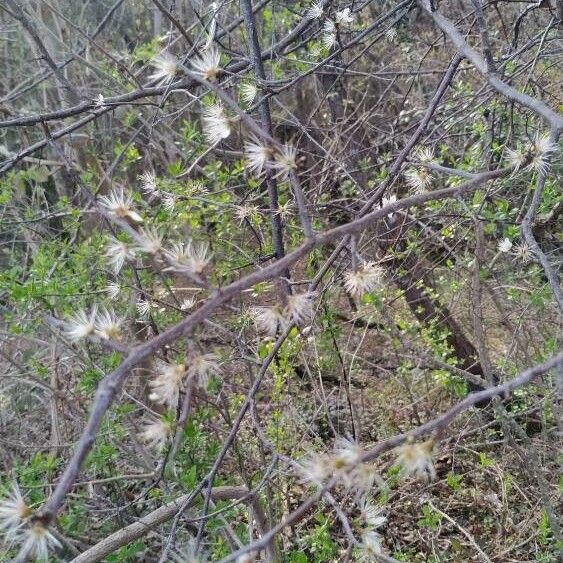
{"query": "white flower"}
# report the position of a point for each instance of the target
(120, 205)
(329, 34)
(190, 257)
(504, 245)
(151, 241)
(13, 512)
(118, 252)
(208, 64)
(299, 307)
(424, 154)
(248, 92)
(113, 290)
(216, 124)
(108, 325)
(415, 458)
(344, 16)
(269, 320)
(363, 280)
(541, 152)
(148, 183)
(166, 68)
(388, 200)
(100, 102)
(315, 11)
(156, 433)
(166, 386)
(202, 366)
(37, 543)
(81, 325)
(419, 179)
(285, 161)
(257, 156)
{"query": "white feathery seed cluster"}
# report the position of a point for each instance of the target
(344, 463)
(36, 541)
(118, 252)
(419, 179)
(415, 459)
(248, 92)
(315, 10)
(216, 124)
(167, 384)
(504, 245)
(104, 324)
(156, 433)
(166, 67)
(190, 257)
(364, 279)
(120, 204)
(536, 155)
(272, 320)
(208, 64)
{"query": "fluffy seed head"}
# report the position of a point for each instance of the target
(391, 35)
(344, 16)
(299, 308)
(419, 179)
(523, 252)
(415, 459)
(257, 157)
(424, 154)
(315, 10)
(363, 280)
(269, 320)
(504, 245)
(329, 34)
(285, 161)
(207, 65)
(246, 212)
(148, 183)
(166, 68)
(150, 241)
(166, 386)
(248, 92)
(80, 325)
(13, 512)
(190, 257)
(108, 325)
(120, 204)
(216, 124)
(541, 150)
(118, 253)
(156, 433)
(38, 542)
(202, 367)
